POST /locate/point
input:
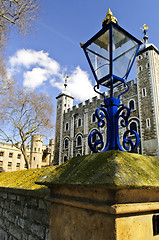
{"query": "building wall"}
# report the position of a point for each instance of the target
(144, 115)
(39, 155)
(147, 64)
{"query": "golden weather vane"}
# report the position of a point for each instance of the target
(145, 29)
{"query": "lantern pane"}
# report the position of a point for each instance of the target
(98, 52)
(124, 50)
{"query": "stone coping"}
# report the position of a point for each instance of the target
(23, 181)
(129, 208)
(40, 193)
(111, 169)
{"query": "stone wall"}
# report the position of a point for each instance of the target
(24, 211)
(24, 215)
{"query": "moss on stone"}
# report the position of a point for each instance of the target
(24, 179)
(111, 169)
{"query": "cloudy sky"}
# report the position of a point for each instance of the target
(41, 60)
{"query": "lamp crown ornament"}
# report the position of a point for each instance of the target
(109, 18)
(111, 53)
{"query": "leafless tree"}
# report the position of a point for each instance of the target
(24, 114)
(18, 13)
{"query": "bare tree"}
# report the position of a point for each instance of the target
(25, 113)
(21, 14)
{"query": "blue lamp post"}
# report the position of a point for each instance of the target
(111, 53)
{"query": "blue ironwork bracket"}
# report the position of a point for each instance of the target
(113, 114)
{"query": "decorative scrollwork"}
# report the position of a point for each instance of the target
(128, 143)
(124, 115)
(101, 113)
(95, 141)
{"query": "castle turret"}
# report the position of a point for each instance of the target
(64, 102)
(147, 68)
(36, 151)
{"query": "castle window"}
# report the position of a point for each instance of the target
(66, 143)
(132, 105)
(10, 155)
(67, 126)
(35, 149)
(93, 117)
(147, 65)
(79, 122)
(140, 57)
(79, 140)
(133, 126)
(148, 125)
(1, 154)
(18, 165)
(38, 149)
(25, 165)
(19, 156)
(34, 158)
(9, 164)
(140, 68)
(1, 163)
(65, 158)
(143, 92)
(146, 54)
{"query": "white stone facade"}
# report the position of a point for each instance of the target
(74, 123)
(39, 155)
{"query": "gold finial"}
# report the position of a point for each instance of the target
(145, 29)
(109, 18)
(81, 44)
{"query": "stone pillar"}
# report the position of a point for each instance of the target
(108, 196)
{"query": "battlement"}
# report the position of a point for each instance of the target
(37, 137)
(92, 100)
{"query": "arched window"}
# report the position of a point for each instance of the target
(133, 126)
(79, 122)
(67, 126)
(66, 143)
(93, 117)
(132, 105)
(78, 154)
(79, 140)
(65, 158)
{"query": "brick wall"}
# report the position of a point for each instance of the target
(24, 215)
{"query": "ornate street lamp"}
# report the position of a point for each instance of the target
(110, 54)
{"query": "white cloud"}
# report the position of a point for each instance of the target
(29, 57)
(80, 85)
(38, 68)
(34, 78)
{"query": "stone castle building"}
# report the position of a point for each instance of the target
(11, 158)
(75, 123)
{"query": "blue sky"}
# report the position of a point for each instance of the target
(41, 60)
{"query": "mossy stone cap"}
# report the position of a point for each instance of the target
(110, 169)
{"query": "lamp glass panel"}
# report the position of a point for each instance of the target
(98, 52)
(124, 50)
